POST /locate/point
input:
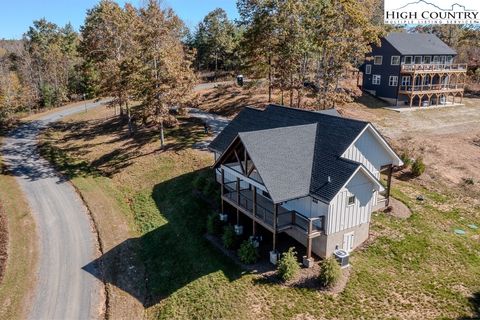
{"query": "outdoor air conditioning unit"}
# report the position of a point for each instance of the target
(342, 257)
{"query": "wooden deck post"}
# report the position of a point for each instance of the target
(222, 182)
(389, 184)
(309, 240)
(254, 225)
(275, 214)
(238, 200)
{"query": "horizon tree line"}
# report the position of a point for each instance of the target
(145, 58)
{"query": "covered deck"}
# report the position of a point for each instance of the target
(246, 197)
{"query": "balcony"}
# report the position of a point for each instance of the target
(431, 88)
(433, 68)
(261, 209)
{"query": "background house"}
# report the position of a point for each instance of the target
(413, 69)
(313, 176)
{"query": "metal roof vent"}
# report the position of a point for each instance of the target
(329, 179)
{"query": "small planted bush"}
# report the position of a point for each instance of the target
(247, 253)
(229, 237)
(418, 167)
(405, 156)
(330, 272)
(214, 225)
(288, 266)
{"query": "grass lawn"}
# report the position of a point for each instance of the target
(18, 280)
(411, 268)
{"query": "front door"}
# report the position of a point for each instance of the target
(348, 239)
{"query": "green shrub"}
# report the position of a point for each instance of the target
(418, 167)
(247, 252)
(229, 237)
(214, 225)
(330, 272)
(405, 156)
(288, 266)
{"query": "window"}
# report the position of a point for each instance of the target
(377, 60)
(393, 81)
(418, 59)
(376, 79)
(427, 59)
(449, 60)
(408, 60)
(436, 59)
(442, 60)
(351, 200)
(405, 80)
(368, 69)
(395, 60)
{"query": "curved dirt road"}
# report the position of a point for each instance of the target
(66, 239)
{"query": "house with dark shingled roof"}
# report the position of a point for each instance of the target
(313, 176)
(414, 69)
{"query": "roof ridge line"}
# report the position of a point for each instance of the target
(317, 113)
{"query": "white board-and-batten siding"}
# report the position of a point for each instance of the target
(342, 216)
(369, 151)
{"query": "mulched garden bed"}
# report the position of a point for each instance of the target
(306, 278)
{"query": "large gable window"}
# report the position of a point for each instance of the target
(377, 60)
(376, 79)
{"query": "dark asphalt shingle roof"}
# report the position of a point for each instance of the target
(418, 43)
(307, 144)
(284, 158)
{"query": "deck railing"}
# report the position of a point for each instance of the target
(285, 218)
(434, 67)
(431, 87)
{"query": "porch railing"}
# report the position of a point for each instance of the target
(431, 87)
(284, 218)
(434, 67)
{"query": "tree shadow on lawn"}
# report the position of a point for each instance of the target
(475, 305)
(116, 130)
(173, 255)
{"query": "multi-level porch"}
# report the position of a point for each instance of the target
(432, 84)
(250, 198)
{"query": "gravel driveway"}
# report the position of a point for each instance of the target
(67, 242)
